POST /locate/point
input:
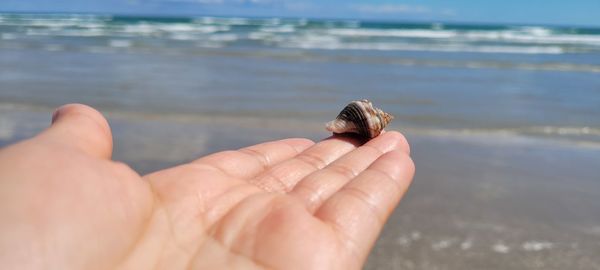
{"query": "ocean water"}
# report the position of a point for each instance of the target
(503, 120)
(164, 32)
(447, 79)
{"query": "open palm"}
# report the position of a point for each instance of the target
(288, 204)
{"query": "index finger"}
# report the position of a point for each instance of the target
(250, 161)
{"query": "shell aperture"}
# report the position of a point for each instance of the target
(362, 118)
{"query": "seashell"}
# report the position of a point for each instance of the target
(362, 118)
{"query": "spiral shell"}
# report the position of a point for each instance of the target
(362, 118)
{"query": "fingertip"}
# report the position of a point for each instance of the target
(397, 164)
(82, 126)
(300, 143)
(398, 139)
(73, 109)
(390, 141)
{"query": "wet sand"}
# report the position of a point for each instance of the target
(477, 202)
(499, 205)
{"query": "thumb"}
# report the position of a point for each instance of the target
(81, 127)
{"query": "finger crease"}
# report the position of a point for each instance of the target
(345, 171)
(261, 158)
(298, 151)
(265, 183)
(388, 177)
(208, 166)
(312, 160)
(365, 199)
(379, 152)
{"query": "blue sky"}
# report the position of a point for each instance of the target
(574, 12)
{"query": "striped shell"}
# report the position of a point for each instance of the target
(362, 118)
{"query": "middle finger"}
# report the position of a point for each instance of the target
(284, 176)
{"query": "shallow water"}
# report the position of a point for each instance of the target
(539, 81)
(309, 85)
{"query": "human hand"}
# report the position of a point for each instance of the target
(288, 204)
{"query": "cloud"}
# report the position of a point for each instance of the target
(449, 12)
(299, 6)
(390, 9)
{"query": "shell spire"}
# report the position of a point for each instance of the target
(360, 117)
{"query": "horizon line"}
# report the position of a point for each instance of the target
(195, 15)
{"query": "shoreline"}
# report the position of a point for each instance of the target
(313, 126)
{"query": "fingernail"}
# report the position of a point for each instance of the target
(56, 114)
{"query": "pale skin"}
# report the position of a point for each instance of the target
(288, 204)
